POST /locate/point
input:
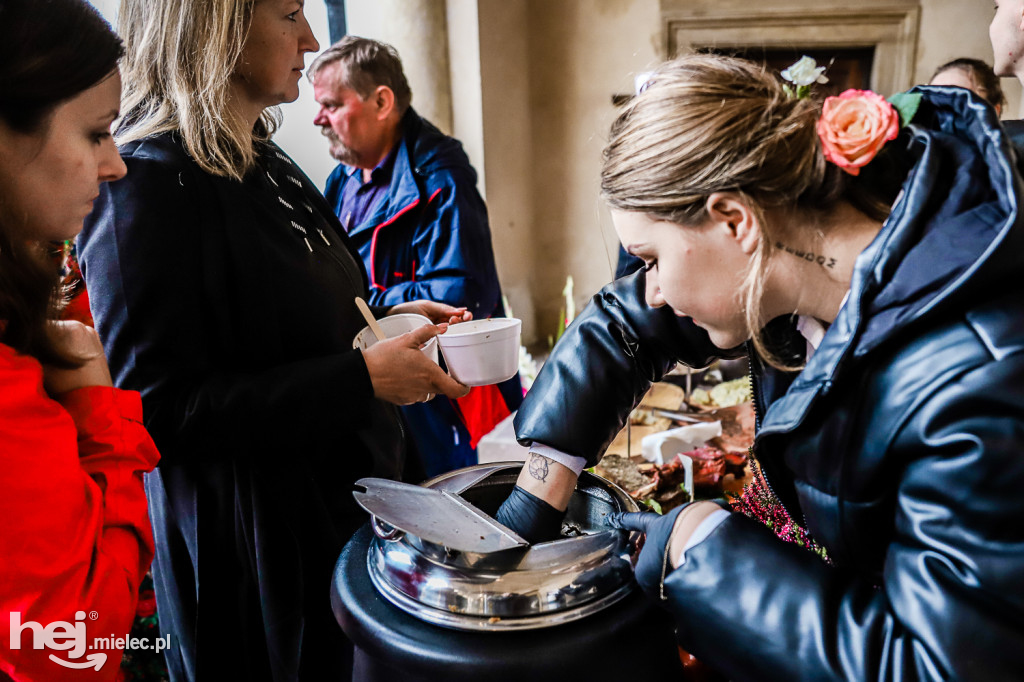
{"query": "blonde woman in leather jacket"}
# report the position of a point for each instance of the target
(891, 431)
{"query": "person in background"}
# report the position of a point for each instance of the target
(224, 290)
(974, 75)
(76, 539)
(887, 372)
(406, 194)
(1006, 32)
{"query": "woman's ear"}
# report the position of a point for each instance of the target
(733, 213)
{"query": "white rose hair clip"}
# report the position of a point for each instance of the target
(803, 74)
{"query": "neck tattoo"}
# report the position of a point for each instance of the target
(809, 256)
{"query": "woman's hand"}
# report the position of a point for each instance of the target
(81, 343)
(402, 374)
(663, 534)
(436, 312)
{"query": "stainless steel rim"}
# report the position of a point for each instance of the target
(458, 621)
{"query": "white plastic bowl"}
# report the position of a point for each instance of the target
(396, 325)
(482, 352)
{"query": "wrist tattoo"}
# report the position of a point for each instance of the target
(809, 256)
(539, 467)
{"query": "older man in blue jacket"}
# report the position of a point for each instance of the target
(406, 194)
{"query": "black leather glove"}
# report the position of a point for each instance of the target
(531, 517)
(653, 564)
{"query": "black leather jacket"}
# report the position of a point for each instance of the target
(900, 445)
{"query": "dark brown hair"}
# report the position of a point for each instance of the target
(50, 51)
(986, 82)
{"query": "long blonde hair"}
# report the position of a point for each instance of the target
(708, 124)
(181, 55)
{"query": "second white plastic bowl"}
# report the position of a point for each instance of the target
(482, 352)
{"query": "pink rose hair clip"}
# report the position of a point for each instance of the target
(855, 125)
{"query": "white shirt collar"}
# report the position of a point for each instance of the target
(813, 329)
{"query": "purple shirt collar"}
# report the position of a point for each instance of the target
(360, 200)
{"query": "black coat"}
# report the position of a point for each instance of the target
(230, 306)
(900, 445)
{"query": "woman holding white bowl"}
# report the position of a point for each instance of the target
(224, 290)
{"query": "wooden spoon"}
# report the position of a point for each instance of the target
(370, 319)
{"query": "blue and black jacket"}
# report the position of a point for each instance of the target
(429, 238)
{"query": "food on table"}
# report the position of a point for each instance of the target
(659, 488)
(720, 465)
(641, 416)
(662, 487)
(736, 463)
(669, 487)
(623, 472)
(725, 394)
(737, 428)
(663, 394)
(708, 468)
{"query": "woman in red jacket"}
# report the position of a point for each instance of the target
(75, 539)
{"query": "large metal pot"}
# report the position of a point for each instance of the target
(564, 610)
(515, 588)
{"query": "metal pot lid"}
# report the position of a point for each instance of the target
(495, 582)
(436, 516)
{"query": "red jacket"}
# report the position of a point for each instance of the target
(75, 538)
